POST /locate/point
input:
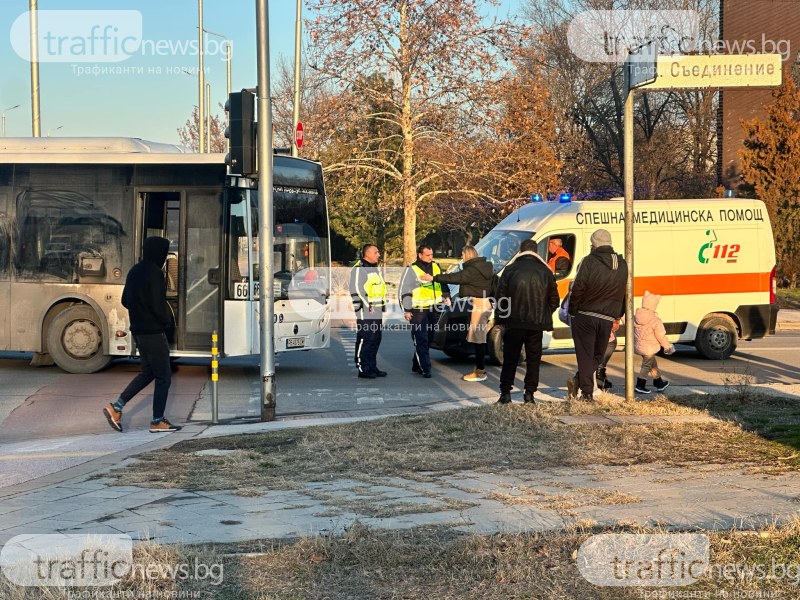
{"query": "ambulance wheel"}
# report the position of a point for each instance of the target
(494, 340)
(456, 354)
(75, 340)
(716, 337)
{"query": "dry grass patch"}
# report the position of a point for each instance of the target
(157, 573)
(493, 438)
(565, 502)
(436, 562)
(657, 405)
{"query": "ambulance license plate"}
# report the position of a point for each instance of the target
(295, 342)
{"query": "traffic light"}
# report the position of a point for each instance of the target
(241, 132)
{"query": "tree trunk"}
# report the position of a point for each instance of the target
(407, 189)
(409, 224)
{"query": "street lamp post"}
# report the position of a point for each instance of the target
(228, 64)
(296, 107)
(208, 116)
(201, 77)
(5, 110)
(34, 24)
(228, 55)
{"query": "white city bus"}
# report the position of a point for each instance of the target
(75, 211)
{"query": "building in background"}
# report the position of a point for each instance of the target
(746, 27)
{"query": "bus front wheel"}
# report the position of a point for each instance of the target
(75, 340)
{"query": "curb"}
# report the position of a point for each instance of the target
(104, 462)
(788, 326)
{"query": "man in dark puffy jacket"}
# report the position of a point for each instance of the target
(145, 297)
(527, 295)
(597, 299)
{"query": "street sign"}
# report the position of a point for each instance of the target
(718, 70)
(298, 134)
(640, 67)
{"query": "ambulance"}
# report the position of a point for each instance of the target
(711, 260)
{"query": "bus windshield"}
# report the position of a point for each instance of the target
(300, 255)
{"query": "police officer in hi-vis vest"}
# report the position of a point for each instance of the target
(421, 302)
(368, 291)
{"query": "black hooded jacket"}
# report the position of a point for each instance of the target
(599, 286)
(145, 293)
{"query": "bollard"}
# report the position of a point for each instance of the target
(214, 378)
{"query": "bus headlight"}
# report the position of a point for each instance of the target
(323, 322)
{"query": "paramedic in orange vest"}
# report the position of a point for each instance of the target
(557, 258)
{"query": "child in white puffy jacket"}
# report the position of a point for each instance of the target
(649, 337)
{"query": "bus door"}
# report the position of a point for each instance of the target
(190, 220)
(241, 320)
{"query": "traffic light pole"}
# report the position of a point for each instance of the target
(265, 219)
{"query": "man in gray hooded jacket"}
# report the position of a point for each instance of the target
(597, 300)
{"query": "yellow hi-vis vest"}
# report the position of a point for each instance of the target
(427, 293)
(375, 288)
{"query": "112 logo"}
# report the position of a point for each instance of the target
(713, 251)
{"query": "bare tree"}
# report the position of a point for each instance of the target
(190, 137)
(439, 56)
(675, 132)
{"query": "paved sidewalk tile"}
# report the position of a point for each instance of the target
(703, 495)
(585, 420)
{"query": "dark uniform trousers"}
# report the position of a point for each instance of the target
(423, 327)
(369, 331)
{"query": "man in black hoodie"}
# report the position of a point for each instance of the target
(597, 300)
(145, 297)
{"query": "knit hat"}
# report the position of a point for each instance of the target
(601, 237)
(650, 300)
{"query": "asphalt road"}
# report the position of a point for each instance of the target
(52, 420)
(45, 402)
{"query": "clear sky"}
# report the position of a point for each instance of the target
(140, 102)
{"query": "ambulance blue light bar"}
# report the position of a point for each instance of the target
(536, 197)
(565, 198)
